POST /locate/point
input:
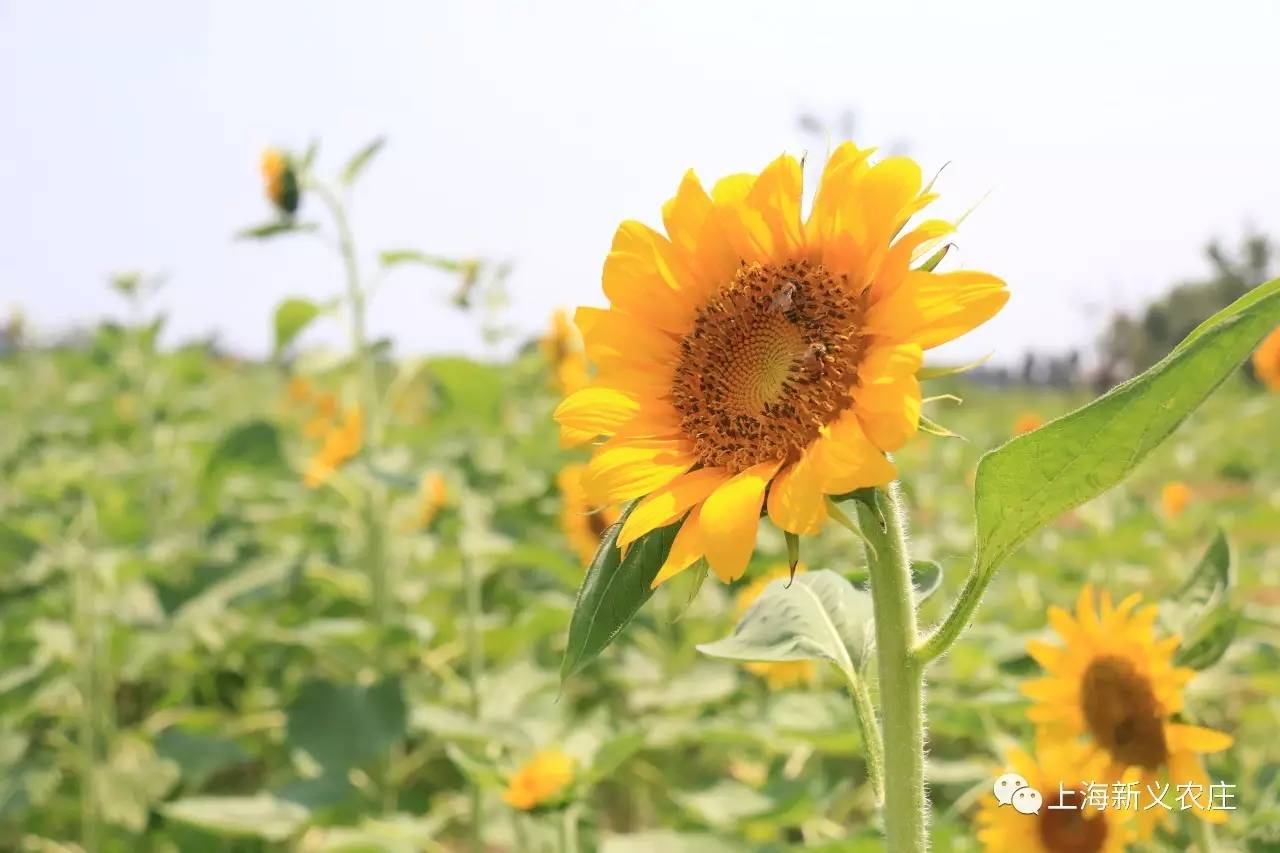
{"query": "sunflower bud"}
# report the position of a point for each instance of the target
(280, 181)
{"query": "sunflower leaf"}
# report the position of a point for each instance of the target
(1210, 638)
(613, 591)
(1212, 576)
(1036, 477)
(819, 616)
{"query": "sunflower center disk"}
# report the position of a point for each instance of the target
(1123, 713)
(1072, 830)
(771, 359)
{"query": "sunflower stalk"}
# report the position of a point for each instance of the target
(865, 713)
(901, 673)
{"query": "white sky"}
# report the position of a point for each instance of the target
(1116, 138)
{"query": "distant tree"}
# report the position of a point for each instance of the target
(1134, 342)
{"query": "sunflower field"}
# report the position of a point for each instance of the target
(361, 601)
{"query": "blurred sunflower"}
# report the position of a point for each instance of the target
(777, 674)
(750, 351)
(562, 347)
(433, 494)
(1174, 497)
(582, 522)
(1266, 361)
(341, 441)
(1116, 685)
(1002, 829)
(542, 778)
(1027, 422)
(280, 180)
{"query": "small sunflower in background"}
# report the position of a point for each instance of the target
(540, 780)
(1115, 685)
(562, 347)
(280, 181)
(777, 674)
(1003, 829)
(1027, 422)
(433, 494)
(582, 522)
(1266, 361)
(750, 351)
(1174, 497)
(341, 441)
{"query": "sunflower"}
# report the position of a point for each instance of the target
(433, 494)
(341, 441)
(1116, 685)
(542, 778)
(1003, 829)
(777, 674)
(582, 522)
(1174, 497)
(562, 347)
(1027, 422)
(279, 180)
(750, 355)
(1266, 361)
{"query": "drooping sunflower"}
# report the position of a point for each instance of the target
(1266, 361)
(1003, 829)
(752, 355)
(1116, 686)
(582, 522)
(777, 674)
(280, 180)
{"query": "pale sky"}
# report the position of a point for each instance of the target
(1114, 139)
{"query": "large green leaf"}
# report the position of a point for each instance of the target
(1042, 474)
(345, 725)
(256, 817)
(818, 616)
(360, 160)
(292, 316)
(613, 591)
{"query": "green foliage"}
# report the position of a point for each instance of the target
(614, 589)
(292, 316)
(1038, 476)
(817, 616)
(360, 161)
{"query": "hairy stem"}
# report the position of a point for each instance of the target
(901, 674)
(957, 619)
(865, 713)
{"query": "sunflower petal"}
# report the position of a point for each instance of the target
(686, 549)
(668, 503)
(730, 519)
(628, 470)
(796, 500)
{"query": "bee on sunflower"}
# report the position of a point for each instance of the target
(1078, 829)
(1116, 686)
(752, 358)
(582, 523)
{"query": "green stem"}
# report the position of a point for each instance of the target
(1204, 836)
(91, 717)
(865, 713)
(961, 612)
(901, 674)
(475, 670)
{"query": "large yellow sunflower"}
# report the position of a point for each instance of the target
(750, 352)
(1116, 685)
(1266, 361)
(1003, 829)
(583, 523)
